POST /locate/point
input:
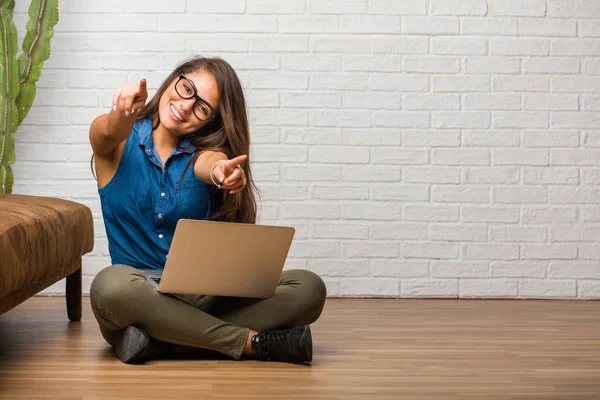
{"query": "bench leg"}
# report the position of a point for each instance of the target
(74, 295)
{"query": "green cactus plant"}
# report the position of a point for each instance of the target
(18, 76)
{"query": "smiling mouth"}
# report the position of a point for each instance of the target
(176, 114)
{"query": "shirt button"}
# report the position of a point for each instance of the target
(148, 150)
(162, 194)
(160, 235)
(159, 216)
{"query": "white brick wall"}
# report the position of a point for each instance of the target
(445, 148)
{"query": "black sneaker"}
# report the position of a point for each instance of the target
(291, 345)
(132, 345)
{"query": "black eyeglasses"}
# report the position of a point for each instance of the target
(186, 90)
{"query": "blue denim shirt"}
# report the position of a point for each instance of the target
(141, 204)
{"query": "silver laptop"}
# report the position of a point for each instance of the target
(224, 259)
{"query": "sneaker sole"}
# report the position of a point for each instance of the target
(307, 343)
(130, 344)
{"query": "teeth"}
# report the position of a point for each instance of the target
(177, 114)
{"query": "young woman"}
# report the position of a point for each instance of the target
(185, 155)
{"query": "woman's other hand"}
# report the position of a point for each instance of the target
(230, 174)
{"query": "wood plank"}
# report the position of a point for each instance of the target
(364, 349)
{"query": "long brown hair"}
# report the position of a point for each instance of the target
(227, 132)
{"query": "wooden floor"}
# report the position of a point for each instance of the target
(364, 349)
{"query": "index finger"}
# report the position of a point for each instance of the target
(142, 87)
(238, 160)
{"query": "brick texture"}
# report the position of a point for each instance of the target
(422, 148)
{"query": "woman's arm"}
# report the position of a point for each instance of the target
(205, 162)
(108, 130)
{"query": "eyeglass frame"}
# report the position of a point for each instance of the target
(194, 96)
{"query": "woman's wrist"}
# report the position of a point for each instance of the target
(212, 176)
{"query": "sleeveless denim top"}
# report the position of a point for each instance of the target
(143, 202)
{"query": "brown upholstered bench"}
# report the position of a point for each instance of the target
(42, 240)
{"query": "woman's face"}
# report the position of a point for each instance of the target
(182, 116)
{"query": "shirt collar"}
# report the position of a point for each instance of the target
(144, 131)
(184, 145)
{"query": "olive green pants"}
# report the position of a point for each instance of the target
(120, 296)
